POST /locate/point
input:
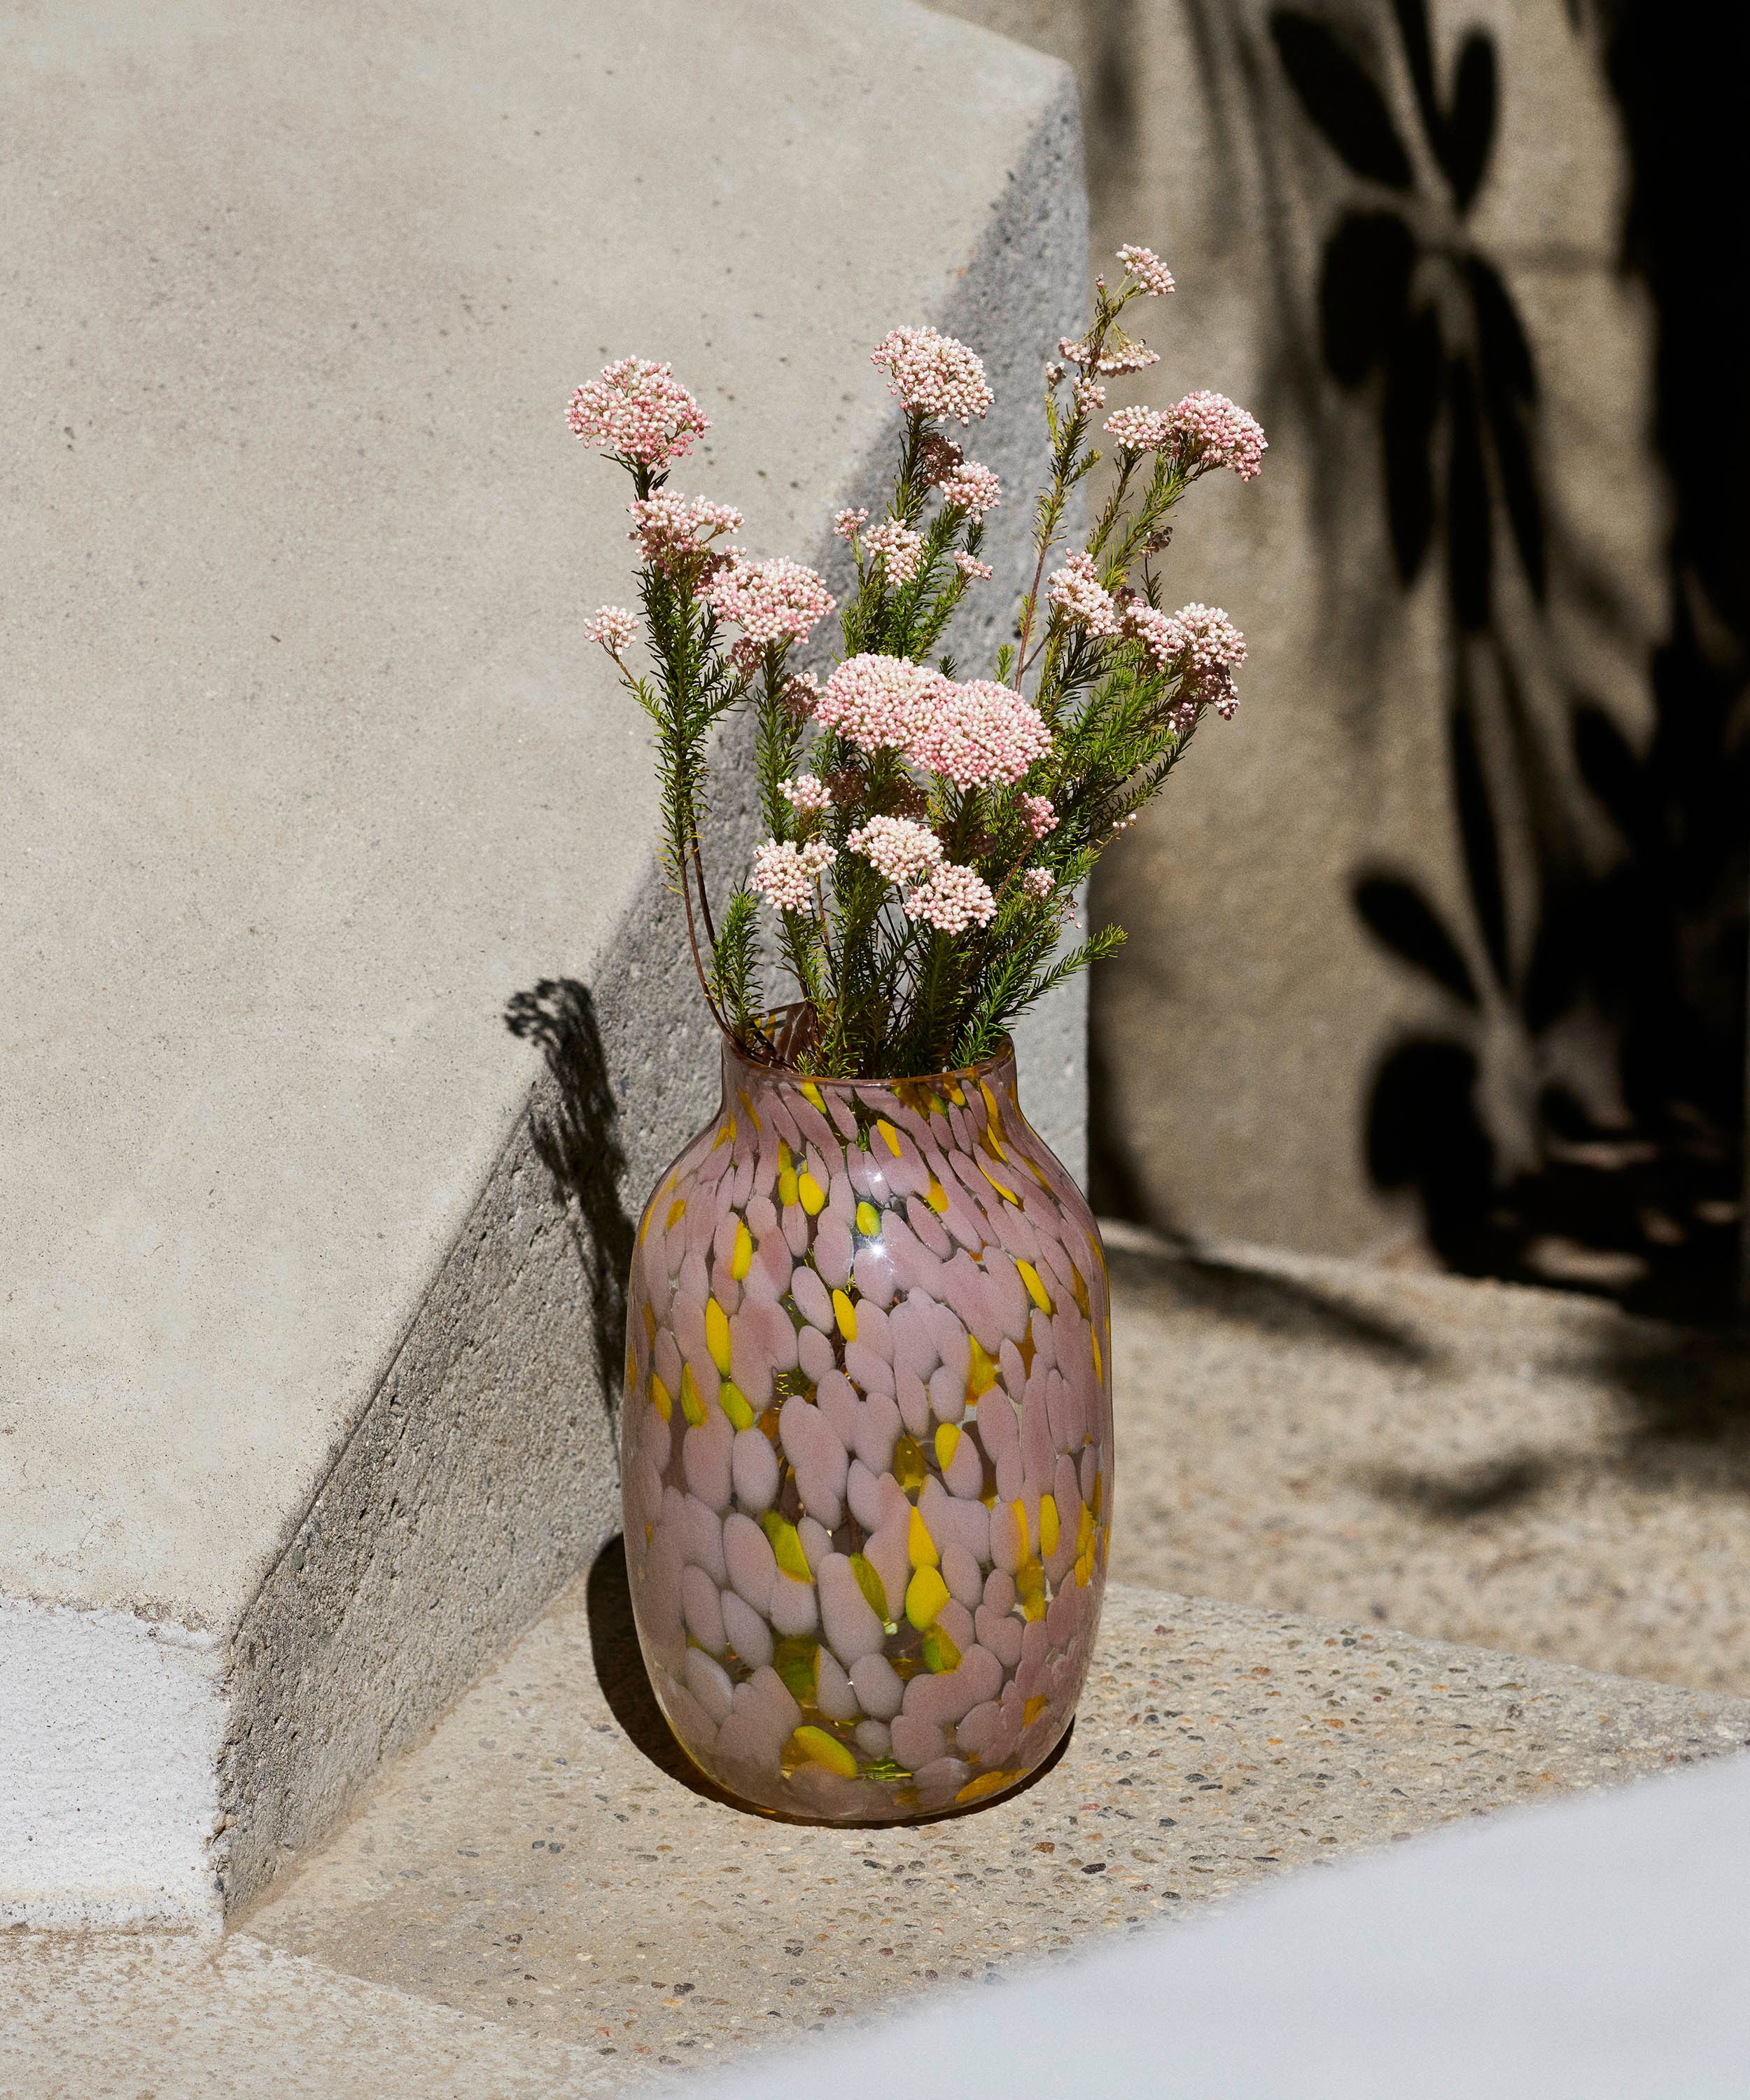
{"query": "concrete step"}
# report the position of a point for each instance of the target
(543, 1899)
(1596, 1946)
(311, 1269)
(185, 2016)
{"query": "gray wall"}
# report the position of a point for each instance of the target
(1394, 932)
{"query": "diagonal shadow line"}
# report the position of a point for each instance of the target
(1281, 1305)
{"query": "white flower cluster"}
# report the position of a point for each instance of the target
(972, 487)
(954, 898)
(1151, 274)
(613, 626)
(1076, 592)
(806, 794)
(901, 850)
(785, 874)
(933, 374)
(898, 546)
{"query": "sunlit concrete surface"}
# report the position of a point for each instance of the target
(1598, 1950)
(547, 1893)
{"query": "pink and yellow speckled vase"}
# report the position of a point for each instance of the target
(867, 1442)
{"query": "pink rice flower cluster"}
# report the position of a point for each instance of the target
(973, 735)
(954, 898)
(938, 456)
(1215, 649)
(785, 874)
(965, 484)
(898, 546)
(932, 374)
(1121, 354)
(879, 702)
(1150, 273)
(1038, 882)
(1039, 814)
(1218, 434)
(672, 530)
(846, 524)
(1140, 430)
(1076, 592)
(807, 795)
(1154, 628)
(969, 565)
(1202, 642)
(979, 733)
(613, 626)
(972, 488)
(1090, 396)
(898, 849)
(637, 410)
(773, 601)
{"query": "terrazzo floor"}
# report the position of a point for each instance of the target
(545, 1900)
(1518, 1469)
(540, 1902)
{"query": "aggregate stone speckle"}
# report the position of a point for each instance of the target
(1518, 1469)
(546, 1861)
(180, 2016)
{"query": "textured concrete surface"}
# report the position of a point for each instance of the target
(1524, 1470)
(111, 1731)
(1589, 1948)
(1238, 1033)
(178, 2016)
(545, 1861)
(309, 771)
(543, 1899)
(1596, 1946)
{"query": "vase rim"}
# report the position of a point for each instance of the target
(793, 1074)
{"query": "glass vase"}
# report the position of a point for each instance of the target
(866, 1442)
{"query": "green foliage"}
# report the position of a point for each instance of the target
(888, 993)
(730, 978)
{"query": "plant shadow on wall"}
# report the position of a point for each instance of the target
(575, 1135)
(1577, 1120)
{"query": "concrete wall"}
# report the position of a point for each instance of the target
(1245, 1040)
(311, 1262)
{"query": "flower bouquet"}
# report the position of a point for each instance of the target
(867, 1444)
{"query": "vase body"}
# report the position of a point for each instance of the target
(866, 1442)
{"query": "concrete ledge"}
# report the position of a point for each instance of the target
(310, 1270)
(110, 1730)
(183, 2015)
(1595, 1945)
(546, 1861)
(546, 1869)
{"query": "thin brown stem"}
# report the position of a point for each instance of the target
(704, 900)
(698, 967)
(1029, 609)
(1106, 313)
(820, 918)
(1045, 636)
